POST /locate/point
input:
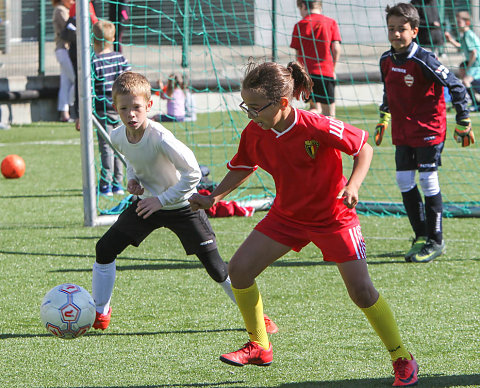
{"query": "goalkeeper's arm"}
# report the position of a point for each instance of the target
(381, 127)
(463, 133)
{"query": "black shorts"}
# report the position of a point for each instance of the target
(419, 158)
(323, 89)
(192, 228)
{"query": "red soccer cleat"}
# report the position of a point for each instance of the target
(102, 320)
(251, 353)
(270, 325)
(405, 372)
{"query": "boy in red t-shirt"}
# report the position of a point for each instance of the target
(316, 39)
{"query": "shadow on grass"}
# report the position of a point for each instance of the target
(59, 195)
(144, 333)
(192, 263)
(433, 381)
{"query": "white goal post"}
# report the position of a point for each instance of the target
(90, 213)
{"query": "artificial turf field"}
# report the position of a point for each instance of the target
(170, 322)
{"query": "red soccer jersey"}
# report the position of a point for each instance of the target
(312, 37)
(93, 16)
(305, 162)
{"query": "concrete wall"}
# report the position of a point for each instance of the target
(26, 111)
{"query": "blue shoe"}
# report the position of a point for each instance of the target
(106, 191)
(118, 190)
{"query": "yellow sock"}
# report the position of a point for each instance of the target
(381, 318)
(249, 302)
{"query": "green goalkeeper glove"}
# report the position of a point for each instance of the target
(463, 133)
(381, 127)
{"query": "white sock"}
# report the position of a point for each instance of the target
(103, 279)
(227, 287)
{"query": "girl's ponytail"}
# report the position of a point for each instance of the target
(302, 83)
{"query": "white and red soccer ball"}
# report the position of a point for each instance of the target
(67, 311)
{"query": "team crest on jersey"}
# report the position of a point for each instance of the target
(409, 80)
(311, 146)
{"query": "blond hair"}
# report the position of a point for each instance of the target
(103, 34)
(131, 83)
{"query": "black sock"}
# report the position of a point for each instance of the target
(412, 200)
(433, 211)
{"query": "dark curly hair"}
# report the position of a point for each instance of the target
(406, 11)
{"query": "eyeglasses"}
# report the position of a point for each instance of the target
(253, 112)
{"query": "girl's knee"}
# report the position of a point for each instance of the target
(364, 297)
(238, 271)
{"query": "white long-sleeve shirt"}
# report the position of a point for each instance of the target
(162, 164)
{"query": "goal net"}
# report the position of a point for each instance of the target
(209, 42)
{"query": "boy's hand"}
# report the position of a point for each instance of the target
(349, 195)
(198, 201)
(381, 127)
(463, 133)
(146, 207)
(134, 187)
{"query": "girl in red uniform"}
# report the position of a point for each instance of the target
(314, 203)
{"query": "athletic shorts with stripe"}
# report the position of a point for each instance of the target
(192, 228)
(340, 245)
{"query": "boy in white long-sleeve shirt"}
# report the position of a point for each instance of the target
(163, 173)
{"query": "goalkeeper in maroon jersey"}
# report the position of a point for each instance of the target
(413, 98)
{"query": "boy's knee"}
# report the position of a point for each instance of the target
(405, 180)
(214, 265)
(109, 246)
(429, 183)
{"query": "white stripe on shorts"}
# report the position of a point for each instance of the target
(358, 242)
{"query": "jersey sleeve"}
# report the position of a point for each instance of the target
(186, 164)
(295, 43)
(116, 138)
(343, 136)
(244, 159)
(335, 32)
(434, 70)
(384, 106)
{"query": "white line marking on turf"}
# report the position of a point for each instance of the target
(44, 142)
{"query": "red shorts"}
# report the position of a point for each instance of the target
(340, 245)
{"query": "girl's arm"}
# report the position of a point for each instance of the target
(230, 182)
(361, 164)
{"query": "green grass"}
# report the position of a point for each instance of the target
(171, 322)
